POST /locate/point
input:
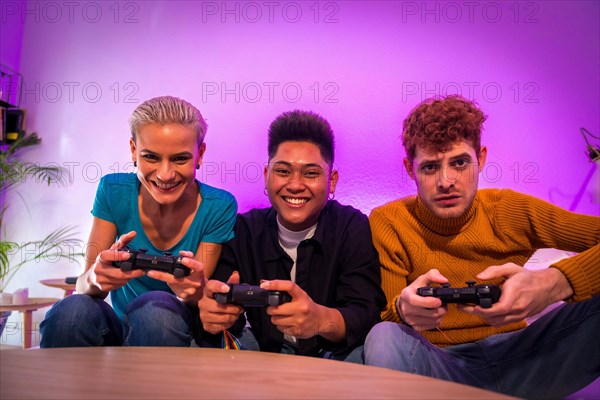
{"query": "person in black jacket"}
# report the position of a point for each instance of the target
(306, 244)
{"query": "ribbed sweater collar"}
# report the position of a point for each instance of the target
(445, 226)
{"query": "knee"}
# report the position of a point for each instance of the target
(74, 309)
(386, 344)
(378, 339)
(383, 331)
(156, 308)
(80, 320)
(157, 319)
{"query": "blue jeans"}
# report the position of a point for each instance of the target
(248, 342)
(152, 319)
(553, 357)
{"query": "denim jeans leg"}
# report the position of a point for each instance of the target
(81, 320)
(248, 340)
(356, 355)
(158, 319)
(555, 356)
(399, 347)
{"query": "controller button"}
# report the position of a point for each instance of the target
(485, 303)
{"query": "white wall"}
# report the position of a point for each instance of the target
(533, 67)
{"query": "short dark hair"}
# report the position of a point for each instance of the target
(440, 122)
(302, 126)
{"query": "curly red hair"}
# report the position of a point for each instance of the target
(440, 122)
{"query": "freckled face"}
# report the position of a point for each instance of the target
(298, 182)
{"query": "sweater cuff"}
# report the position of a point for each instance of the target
(582, 282)
(390, 313)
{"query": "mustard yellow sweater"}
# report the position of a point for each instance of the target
(501, 226)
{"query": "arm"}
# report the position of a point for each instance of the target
(100, 253)
(582, 273)
(392, 258)
(217, 317)
(524, 294)
(548, 226)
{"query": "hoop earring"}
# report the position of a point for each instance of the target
(135, 164)
(331, 196)
(265, 192)
(198, 166)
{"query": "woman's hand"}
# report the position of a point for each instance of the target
(103, 275)
(188, 288)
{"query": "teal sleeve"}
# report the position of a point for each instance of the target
(223, 220)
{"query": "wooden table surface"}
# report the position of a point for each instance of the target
(33, 303)
(181, 373)
(60, 283)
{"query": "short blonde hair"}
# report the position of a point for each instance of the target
(168, 110)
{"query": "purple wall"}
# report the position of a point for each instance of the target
(11, 34)
(533, 67)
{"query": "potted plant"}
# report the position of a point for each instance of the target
(56, 245)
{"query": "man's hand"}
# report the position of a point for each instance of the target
(106, 277)
(422, 313)
(302, 317)
(188, 288)
(524, 293)
(218, 317)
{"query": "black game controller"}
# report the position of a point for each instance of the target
(252, 296)
(483, 295)
(138, 259)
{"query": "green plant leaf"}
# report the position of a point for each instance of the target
(61, 244)
(58, 245)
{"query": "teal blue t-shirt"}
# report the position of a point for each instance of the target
(117, 202)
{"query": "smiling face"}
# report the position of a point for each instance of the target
(298, 182)
(167, 156)
(447, 181)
